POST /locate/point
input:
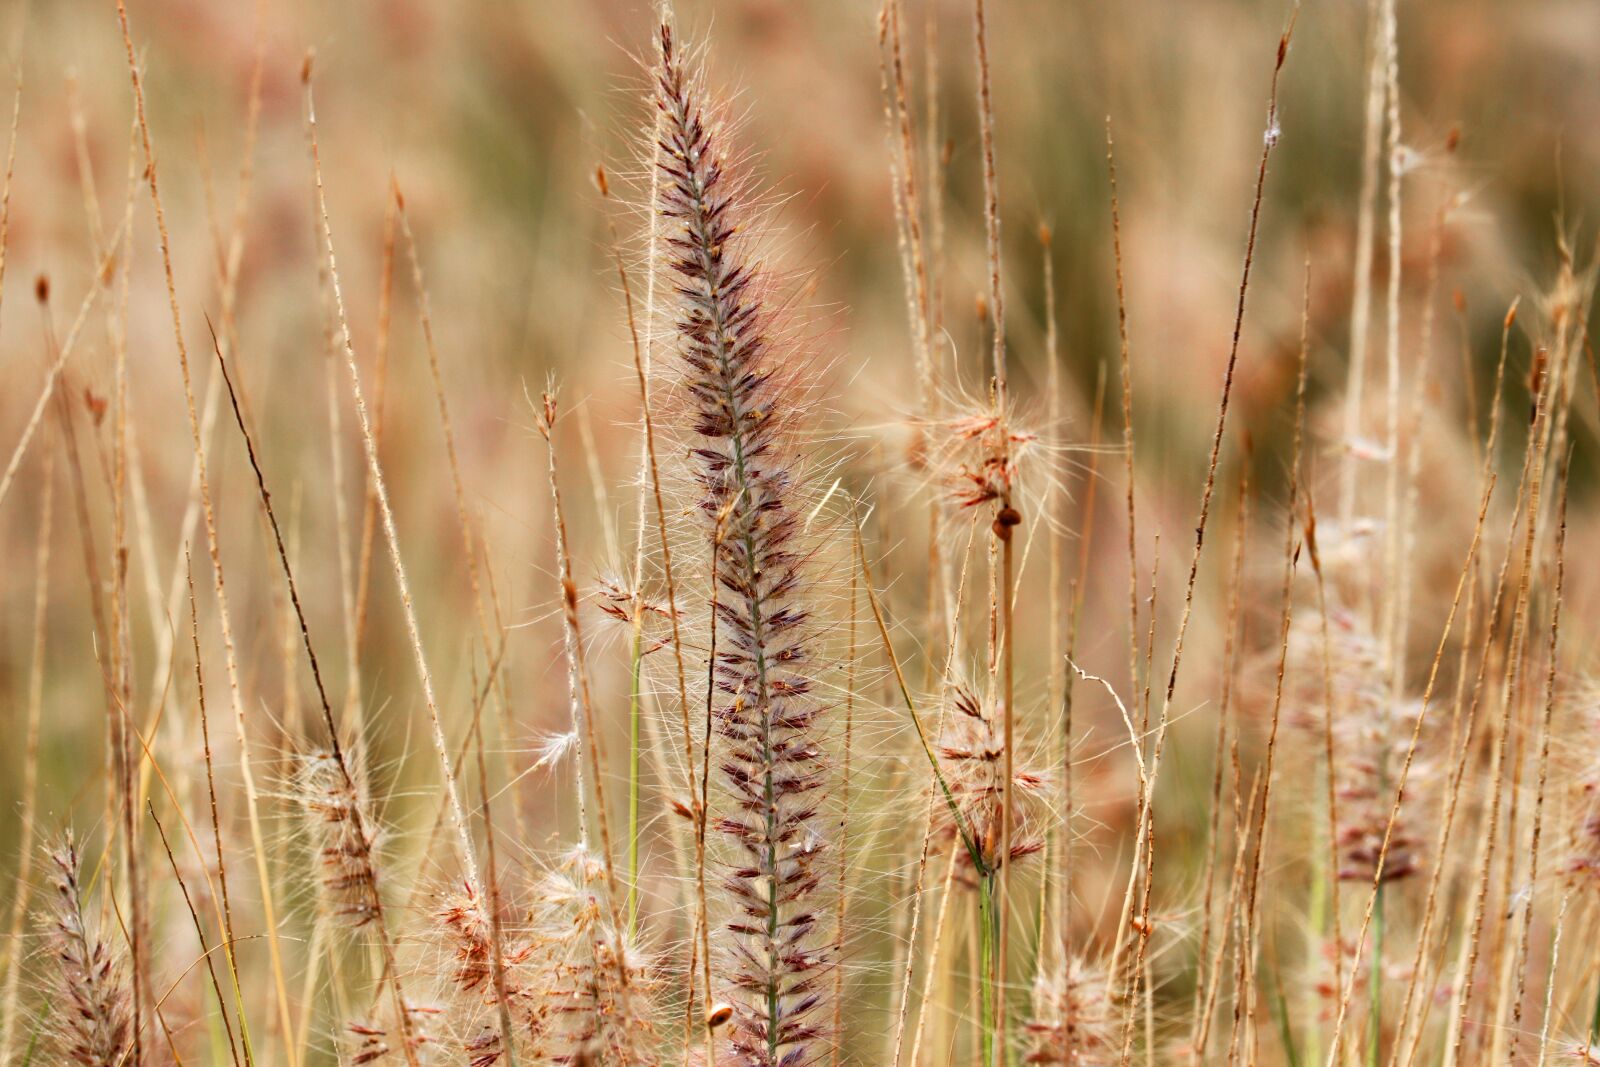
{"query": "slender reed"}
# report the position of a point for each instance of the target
(329, 789)
(584, 710)
(30, 765)
(441, 747)
(257, 838)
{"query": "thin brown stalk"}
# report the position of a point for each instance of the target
(130, 766)
(664, 544)
(1534, 475)
(380, 393)
(580, 670)
(905, 184)
(991, 203)
(1413, 432)
(229, 939)
(58, 362)
(1392, 559)
(1405, 768)
(230, 252)
(1269, 142)
(1244, 820)
(938, 155)
(335, 746)
(1291, 556)
(1078, 588)
(1361, 303)
(1144, 822)
(341, 526)
(497, 939)
(951, 642)
(1544, 757)
(1125, 366)
(386, 512)
(30, 759)
(457, 485)
(1007, 517)
(200, 934)
(1230, 663)
(1329, 700)
(269, 911)
(87, 542)
(936, 937)
(117, 810)
(463, 750)
(1055, 532)
(1487, 458)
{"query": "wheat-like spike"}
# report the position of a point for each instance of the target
(95, 1005)
(741, 403)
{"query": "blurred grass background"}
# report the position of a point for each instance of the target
(492, 117)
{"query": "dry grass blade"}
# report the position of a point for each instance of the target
(258, 840)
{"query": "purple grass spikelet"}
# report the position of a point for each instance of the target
(739, 385)
(95, 1008)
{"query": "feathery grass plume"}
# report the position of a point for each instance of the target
(1580, 1052)
(1073, 1023)
(1368, 746)
(976, 453)
(595, 1004)
(971, 754)
(1370, 737)
(624, 602)
(343, 839)
(93, 1020)
(466, 930)
(570, 999)
(1376, 739)
(744, 401)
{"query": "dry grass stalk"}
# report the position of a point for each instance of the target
(1144, 858)
(386, 512)
(700, 947)
(257, 838)
(1408, 915)
(30, 770)
(328, 789)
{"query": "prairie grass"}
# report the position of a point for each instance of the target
(641, 538)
